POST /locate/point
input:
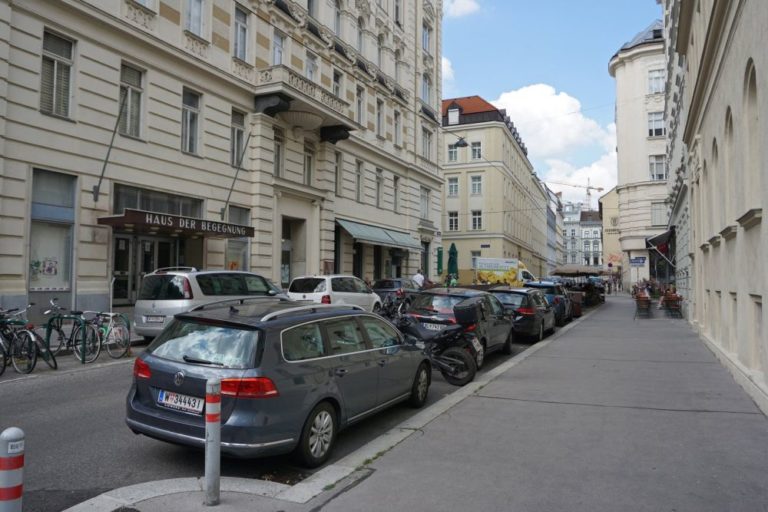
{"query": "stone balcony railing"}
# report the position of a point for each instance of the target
(285, 77)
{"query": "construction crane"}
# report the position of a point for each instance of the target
(587, 186)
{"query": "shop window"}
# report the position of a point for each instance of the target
(237, 248)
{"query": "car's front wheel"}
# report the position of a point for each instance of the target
(317, 436)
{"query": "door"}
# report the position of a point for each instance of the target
(501, 324)
(397, 366)
(151, 254)
(122, 271)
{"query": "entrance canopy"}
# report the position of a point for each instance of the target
(155, 223)
(379, 236)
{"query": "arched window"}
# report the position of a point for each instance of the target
(337, 17)
(752, 169)
(730, 183)
(712, 183)
(360, 38)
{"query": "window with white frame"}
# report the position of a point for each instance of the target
(395, 192)
(360, 35)
(586, 245)
(474, 255)
(656, 124)
(453, 221)
(424, 200)
(477, 219)
(359, 181)
(237, 136)
(399, 12)
(380, 118)
(195, 17)
(453, 153)
(338, 168)
(476, 183)
(658, 167)
(656, 79)
(310, 67)
(426, 38)
(426, 143)
(595, 233)
(573, 257)
(130, 94)
(453, 116)
(453, 186)
(360, 105)
(337, 81)
(240, 47)
(658, 214)
(398, 128)
(573, 232)
(585, 233)
(278, 146)
(190, 120)
(426, 88)
(237, 248)
(278, 46)
(380, 51)
(312, 8)
(397, 66)
(337, 17)
(309, 164)
(379, 187)
(477, 151)
(56, 75)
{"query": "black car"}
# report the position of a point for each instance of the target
(533, 316)
(399, 286)
(557, 297)
(434, 309)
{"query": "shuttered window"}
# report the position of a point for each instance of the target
(56, 75)
(130, 95)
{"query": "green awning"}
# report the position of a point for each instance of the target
(378, 236)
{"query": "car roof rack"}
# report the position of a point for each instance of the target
(313, 307)
(241, 301)
(172, 269)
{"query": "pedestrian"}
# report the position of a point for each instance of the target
(454, 281)
(418, 278)
(368, 281)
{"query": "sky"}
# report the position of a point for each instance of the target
(546, 63)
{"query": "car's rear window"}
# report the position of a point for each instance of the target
(510, 299)
(307, 285)
(189, 342)
(162, 287)
(550, 290)
(441, 304)
(232, 284)
(387, 283)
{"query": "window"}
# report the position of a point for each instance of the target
(277, 163)
(195, 17)
(395, 191)
(241, 33)
(344, 335)
(337, 79)
(359, 181)
(130, 95)
(595, 233)
(424, 203)
(474, 255)
(338, 169)
(477, 185)
(360, 105)
(586, 245)
(656, 124)
(573, 257)
(453, 153)
(337, 18)
(398, 129)
(453, 116)
(426, 36)
(312, 8)
(380, 51)
(380, 118)
(237, 133)
(477, 151)
(573, 232)
(453, 186)
(278, 45)
(379, 187)
(57, 66)
(237, 248)
(426, 143)
(309, 164)
(310, 70)
(453, 221)
(302, 342)
(585, 233)
(658, 167)
(477, 219)
(656, 78)
(399, 12)
(426, 88)
(658, 214)
(360, 35)
(381, 334)
(190, 113)
(397, 66)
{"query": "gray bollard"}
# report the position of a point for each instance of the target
(212, 442)
(11, 469)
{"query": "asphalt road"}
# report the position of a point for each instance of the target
(78, 446)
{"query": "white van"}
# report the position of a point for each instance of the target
(334, 289)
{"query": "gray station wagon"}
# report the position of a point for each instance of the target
(292, 376)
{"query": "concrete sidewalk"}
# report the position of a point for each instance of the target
(612, 414)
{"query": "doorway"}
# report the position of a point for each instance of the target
(133, 258)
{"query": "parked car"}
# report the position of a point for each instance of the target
(334, 289)
(291, 376)
(533, 316)
(171, 290)
(400, 286)
(557, 298)
(434, 308)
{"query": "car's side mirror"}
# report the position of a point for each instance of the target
(271, 292)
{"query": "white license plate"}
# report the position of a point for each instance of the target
(181, 402)
(155, 319)
(475, 343)
(434, 327)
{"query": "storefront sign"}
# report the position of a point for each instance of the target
(637, 262)
(152, 222)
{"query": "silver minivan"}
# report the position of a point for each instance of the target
(168, 291)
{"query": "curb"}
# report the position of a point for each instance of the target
(331, 474)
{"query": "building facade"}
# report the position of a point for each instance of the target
(609, 213)
(495, 206)
(639, 70)
(723, 122)
(591, 238)
(572, 233)
(555, 227)
(284, 137)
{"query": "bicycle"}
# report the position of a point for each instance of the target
(83, 339)
(114, 331)
(19, 342)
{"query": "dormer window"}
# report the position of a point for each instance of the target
(453, 116)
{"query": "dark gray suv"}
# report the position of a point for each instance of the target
(292, 376)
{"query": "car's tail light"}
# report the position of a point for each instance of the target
(141, 369)
(326, 299)
(470, 328)
(399, 292)
(187, 289)
(526, 311)
(252, 387)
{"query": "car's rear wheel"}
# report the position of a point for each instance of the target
(480, 356)
(507, 348)
(540, 335)
(317, 436)
(420, 388)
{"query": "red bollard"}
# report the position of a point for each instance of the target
(212, 442)
(11, 469)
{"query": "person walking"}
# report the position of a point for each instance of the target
(418, 278)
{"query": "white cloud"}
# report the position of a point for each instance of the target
(447, 69)
(599, 174)
(459, 8)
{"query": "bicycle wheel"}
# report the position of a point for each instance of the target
(23, 352)
(92, 343)
(58, 339)
(44, 353)
(118, 338)
(3, 356)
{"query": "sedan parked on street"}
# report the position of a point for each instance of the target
(401, 287)
(292, 376)
(334, 289)
(532, 314)
(557, 298)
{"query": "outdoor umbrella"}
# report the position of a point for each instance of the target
(453, 260)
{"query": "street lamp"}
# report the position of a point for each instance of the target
(461, 143)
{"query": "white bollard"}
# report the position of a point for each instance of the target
(212, 442)
(11, 469)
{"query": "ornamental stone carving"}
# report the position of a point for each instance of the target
(364, 6)
(242, 70)
(265, 77)
(195, 45)
(140, 15)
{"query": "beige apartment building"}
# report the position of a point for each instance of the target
(330, 109)
(719, 116)
(495, 206)
(609, 213)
